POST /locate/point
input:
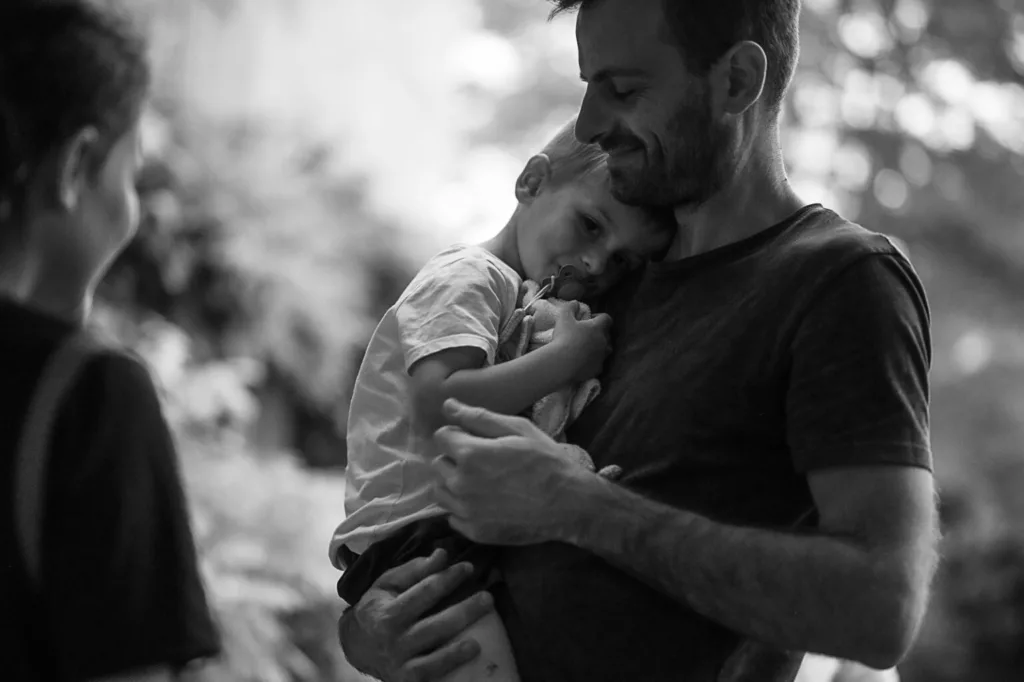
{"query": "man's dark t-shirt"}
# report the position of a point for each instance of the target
(120, 587)
(735, 373)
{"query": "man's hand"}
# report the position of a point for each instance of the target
(504, 481)
(383, 634)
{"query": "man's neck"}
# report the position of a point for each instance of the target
(757, 197)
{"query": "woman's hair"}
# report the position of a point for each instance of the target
(572, 160)
(64, 65)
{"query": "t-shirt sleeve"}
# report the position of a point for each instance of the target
(455, 305)
(120, 574)
(858, 390)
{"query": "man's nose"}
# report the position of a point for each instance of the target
(591, 123)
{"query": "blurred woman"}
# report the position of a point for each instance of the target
(100, 579)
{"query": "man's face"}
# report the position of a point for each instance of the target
(646, 109)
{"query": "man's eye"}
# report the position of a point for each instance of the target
(620, 94)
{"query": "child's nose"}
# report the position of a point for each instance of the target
(594, 263)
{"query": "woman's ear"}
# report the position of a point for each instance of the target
(73, 166)
(534, 177)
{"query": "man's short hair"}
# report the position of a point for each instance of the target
(572, 160)
(704, 30)
(64, 65)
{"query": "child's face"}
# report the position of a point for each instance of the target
(581, 224)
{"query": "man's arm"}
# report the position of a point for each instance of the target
(855, 589)
(857, 423)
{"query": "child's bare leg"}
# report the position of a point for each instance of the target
(496, 662)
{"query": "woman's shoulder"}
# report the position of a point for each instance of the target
(111, 412)
(114, 376)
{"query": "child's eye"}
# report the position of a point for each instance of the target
(591, 227)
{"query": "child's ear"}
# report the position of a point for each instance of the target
(534, 177)
(73, 166)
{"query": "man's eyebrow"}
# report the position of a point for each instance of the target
(610, 72)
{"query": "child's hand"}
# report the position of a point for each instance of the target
(585, 342)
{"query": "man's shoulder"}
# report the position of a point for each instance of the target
(825, 237)
(824, 245)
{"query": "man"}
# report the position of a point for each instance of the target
(111, 590)
(767, 400)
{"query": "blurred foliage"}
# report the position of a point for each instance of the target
(266, 257)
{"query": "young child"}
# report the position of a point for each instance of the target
(441, 339)
(100, 579)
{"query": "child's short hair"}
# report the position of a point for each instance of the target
(64, 65)
(572, 160)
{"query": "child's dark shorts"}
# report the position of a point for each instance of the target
(419, 539)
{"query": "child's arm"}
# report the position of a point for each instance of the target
(449, 323)
(576, 352)
(508, 388)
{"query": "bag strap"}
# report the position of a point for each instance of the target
(31, 457)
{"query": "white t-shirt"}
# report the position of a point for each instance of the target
(462, 297)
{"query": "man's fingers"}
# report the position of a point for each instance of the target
(402, 577)
(478, 421)
(441, 663)
(444, 627)
(409, 606)
(445, 498)
(444, 469)
(453, 443)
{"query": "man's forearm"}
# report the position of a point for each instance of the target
(798, 592)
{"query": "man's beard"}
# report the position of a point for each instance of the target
(686, 168)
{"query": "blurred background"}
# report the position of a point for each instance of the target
(306, 156)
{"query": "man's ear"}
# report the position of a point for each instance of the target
(737, 79)
(534, 177)
(73, 166)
